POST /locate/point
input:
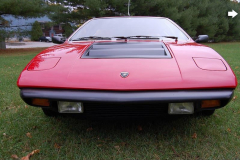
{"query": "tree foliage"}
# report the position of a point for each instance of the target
(24, 8)
(68, 30)
(36, 31)
(194, 16)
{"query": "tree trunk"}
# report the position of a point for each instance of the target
(2, 45)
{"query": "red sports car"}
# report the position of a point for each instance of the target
(128, 66)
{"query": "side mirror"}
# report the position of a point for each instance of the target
(58, 39)
(202, 38)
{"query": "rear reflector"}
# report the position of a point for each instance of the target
(40, 102)
(181, 108)
(211, 103)
(70, 107)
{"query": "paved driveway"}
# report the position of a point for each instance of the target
(30, 44)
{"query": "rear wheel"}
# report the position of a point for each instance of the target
(49, 112)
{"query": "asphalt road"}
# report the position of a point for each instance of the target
(29, 44)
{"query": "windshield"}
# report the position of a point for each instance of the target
(129, 26)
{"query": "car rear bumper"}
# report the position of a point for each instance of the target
(121, 97)
(131, 104)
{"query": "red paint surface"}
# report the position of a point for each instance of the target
(179, 72)
(39, 64)
(210, 64)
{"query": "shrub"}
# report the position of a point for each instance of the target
(36, 31)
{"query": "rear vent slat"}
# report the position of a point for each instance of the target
(127, 50)
(126, 45)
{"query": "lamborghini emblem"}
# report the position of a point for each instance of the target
(124, 74)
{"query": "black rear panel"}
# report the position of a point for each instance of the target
(120, 110)
(127, 50)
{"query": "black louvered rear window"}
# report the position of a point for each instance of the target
(127, 50)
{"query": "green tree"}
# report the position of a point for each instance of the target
(194, 16)
(36, 31)
(2, 39)
(68, 30)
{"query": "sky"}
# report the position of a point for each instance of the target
(22, 21)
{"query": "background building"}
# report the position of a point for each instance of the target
(19, 28)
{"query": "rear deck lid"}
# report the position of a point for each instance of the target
(149, 65)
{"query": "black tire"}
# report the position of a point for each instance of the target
(207, 112)
(49, 112)
(47, 40)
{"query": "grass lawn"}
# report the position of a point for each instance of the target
(24, 128)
